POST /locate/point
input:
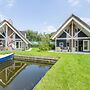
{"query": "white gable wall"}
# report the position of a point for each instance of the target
(67, 23)
(10, 39)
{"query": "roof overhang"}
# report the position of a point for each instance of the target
(67, 22)
(16, 31)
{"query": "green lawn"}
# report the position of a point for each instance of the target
(33, 52)
(71, 71)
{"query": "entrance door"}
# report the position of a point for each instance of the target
(85, 45)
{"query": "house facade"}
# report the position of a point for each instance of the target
(11, 38)
(72, 36)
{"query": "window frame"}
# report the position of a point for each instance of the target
(19, 44)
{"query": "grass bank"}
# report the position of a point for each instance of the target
(71, 71)
(33, 52)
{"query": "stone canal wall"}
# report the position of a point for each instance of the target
(36, 59)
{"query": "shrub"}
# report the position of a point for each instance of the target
(44, 47)
(52, 46)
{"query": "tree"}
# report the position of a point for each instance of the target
(33, 35)
(45, 43)
(43, 40)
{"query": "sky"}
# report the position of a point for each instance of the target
(44, 16)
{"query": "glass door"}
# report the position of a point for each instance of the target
(85, 45)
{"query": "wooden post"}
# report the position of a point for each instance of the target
(6, 43)
(72, 36)
(14, 40)
(55, 44)
(6, 74)
(25, 35)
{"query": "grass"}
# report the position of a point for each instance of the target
(71, 71)
(34, 52)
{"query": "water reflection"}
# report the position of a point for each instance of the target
(15, 75)
(9, 70)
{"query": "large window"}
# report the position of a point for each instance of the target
(18, 44)
(61, 44)
(86, 45)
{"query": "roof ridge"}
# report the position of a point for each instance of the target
(16, 30)
(76, 17)
(86, 24)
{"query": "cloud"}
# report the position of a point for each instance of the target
(88, 0)
(74, 2)
(10, 3)
(49, 29)
(87, 20)
(7, 3)
(2, 17)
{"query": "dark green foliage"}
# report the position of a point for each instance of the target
(45, 43)
(33, 35)
(43, 39)
(44, 47)
(52, 46)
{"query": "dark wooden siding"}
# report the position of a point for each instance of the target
(81, 34)
(17, 37)
(63, 35)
